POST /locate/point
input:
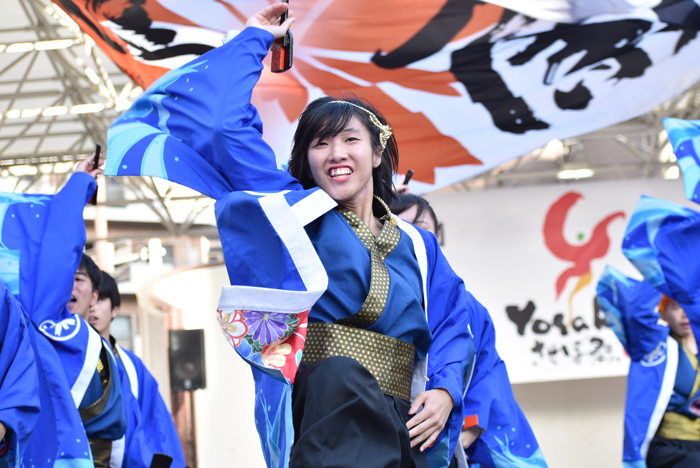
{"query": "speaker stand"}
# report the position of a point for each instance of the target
(193, 445)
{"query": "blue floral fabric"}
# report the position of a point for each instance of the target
(684, 136)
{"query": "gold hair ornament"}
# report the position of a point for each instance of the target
(384, 130)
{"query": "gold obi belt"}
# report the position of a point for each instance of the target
(389, 360)
(679, 426)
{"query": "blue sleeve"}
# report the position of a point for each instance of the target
(196, 125)
(449, 359)
(662, 240)
(684, 136)
(158, 426)
(630, 310)
(61, 249)
(485, 384)
(19, 384)
(448, 319)
(490, 397)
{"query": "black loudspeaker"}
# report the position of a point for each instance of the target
(187, 370)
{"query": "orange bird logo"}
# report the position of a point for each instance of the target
(580, 255)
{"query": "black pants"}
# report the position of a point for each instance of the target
(342, 419)
(672, 453)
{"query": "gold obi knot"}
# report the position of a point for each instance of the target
(101, 452)
(389, 360)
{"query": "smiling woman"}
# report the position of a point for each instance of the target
(346, 147)
(335, 302)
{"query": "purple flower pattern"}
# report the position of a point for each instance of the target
(266, 328)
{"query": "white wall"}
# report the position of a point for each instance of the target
(578, 423)
(225, 425)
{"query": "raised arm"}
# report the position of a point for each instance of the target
(196, 125)
(630, 310)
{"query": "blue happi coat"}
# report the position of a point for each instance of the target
(663, 241)
(684, 136)
(151, 428)
(630, 310)
(287, 250)
(507, 440)
(41, 243)
(19, 388)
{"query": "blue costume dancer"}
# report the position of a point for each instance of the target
(150, 428)
(506, 439)
(497, 434)
(300, 270)
(157, 425)
(45, 236)
(630, 310)
(19, 388)
(661, 423)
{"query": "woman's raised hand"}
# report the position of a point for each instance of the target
(268, 18)
(87, 164)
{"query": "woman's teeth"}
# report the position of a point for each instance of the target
(340, 172)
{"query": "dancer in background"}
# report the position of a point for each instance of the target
(102, 408)
(155, 421)
(46, 233)
(661, 427)
(662, 240)
(496, 433)
(19, 387)
(353, 281)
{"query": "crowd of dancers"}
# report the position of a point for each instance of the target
(366, 348)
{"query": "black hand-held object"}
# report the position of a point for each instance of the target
(161, 460)
(407, 179)
(95, 165)
(282, 55)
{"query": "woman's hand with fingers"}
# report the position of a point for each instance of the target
(268, 18)
(87, 164)
(425, 427)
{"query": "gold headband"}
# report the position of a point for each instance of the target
(384, 130)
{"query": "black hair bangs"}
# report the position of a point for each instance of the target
(320, 121)
(109, 289)
(92, 270)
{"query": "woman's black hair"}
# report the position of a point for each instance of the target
(407, 200)
(321, 119)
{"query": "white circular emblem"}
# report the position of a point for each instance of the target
(61, 331)
(657, 356)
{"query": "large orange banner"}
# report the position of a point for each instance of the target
(466, 85)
